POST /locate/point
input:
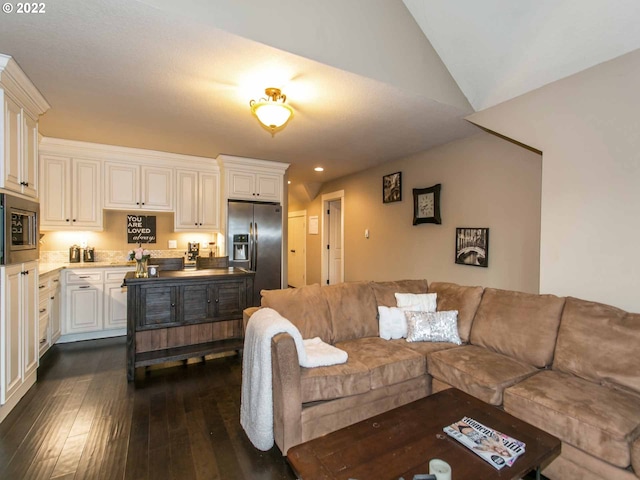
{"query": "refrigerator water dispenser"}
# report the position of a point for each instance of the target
(241, 247)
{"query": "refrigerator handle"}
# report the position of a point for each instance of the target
(255, 248)
(251, 246)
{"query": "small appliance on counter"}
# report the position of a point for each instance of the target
(193, 251)
(89, 254)
(74, 254)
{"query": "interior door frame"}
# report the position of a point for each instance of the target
(300, 213)
(326, 198)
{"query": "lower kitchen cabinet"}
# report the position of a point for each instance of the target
(95, 303)
(48, 310)
(18, 333)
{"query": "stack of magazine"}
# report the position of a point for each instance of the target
(496, 448)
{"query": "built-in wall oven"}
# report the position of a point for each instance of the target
(19, 229)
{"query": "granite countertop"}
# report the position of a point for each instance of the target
(45, 268)
(187, 274)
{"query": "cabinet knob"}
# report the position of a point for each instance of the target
(173, 304)
(52, 298)
(85, 286)
(67, 219)
(208, 301)
(217, 300)
(74, 219)
(42, 310)
(200, 224)
(137, 203)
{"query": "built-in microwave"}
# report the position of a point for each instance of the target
(19, 229)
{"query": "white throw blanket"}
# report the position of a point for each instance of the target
(256, 408)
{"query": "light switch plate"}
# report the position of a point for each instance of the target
(173, 244)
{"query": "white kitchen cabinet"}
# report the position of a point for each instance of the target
(55, 293)
(21, 106)
(70, 193)
(198, 200)
(19, 327)
(94, 303)
(115, 298)
(48, 310)
(130, 186)
(245, 185)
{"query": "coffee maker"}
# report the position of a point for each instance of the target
(193, 251)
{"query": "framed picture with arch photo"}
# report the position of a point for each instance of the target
(472, 246)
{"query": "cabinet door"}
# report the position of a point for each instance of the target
(55, 192)
(241, 185)
(268, 187)
(157, 307)
(209, 188)
(54, 309)
(84, 307)
(115, 312)
(230, 300)
(29, 300)
(186, 217)
(87, 194)
(157, 189)
(122, 185)
(29, 176)
(195, 303)
(11, 341)
(13, 145)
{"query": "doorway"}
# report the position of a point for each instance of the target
(297, 254)
(333, 238)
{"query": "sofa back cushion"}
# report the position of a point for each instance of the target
(305, 307)
(354, 311)
(461, 298)
(521, 325)
(600, 343)
(385, 291)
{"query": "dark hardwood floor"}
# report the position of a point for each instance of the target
(82, 420)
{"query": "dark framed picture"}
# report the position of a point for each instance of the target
(426, 205)
(392, 187)
(472, 246)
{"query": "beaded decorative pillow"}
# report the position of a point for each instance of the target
(433, 326)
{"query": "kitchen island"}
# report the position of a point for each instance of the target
(186, 313)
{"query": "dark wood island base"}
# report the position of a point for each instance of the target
(184, 314)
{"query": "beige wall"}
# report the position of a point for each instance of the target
(486, 182)
(114, 236)
(588, 128)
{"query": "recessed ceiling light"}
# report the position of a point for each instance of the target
(288, 182)
(319, 169)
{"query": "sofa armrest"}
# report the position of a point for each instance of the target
(287, 399)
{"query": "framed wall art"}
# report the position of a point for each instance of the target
(426, 205)
(392, 187)
(472, 246)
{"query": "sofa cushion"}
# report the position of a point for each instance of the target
(335, 381)
(305, 307)
(354, 311)
(461, 298)
(635, 455)
(600, 343)
(599, 420)
(520, 325)
(478, 371)
(385, 291)
(424, 348)
(387, 362)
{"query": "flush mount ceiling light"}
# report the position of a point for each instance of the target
(272, 112)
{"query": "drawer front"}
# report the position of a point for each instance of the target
(79, 277)
(116, 275)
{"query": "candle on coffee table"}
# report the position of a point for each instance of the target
(440, 469)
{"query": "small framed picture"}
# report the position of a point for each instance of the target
(426, 205)
(392, 187)
(472, 246)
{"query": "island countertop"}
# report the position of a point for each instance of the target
(187, 274)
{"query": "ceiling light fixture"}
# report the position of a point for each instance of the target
(272, 112)
(319, 169)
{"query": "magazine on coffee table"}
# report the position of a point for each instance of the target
(494, 447)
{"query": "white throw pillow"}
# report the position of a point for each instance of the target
(392, 322)
(423, 302)
(433, 327)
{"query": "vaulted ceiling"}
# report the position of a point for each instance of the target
(369, 80)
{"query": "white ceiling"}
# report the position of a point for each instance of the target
(365, 83)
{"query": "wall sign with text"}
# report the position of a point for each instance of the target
(141, 229)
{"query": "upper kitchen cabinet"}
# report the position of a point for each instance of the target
(197, 200)
(129, 186)
(22, 104)
(70, 193)
(252, 179)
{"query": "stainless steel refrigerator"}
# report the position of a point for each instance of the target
(254, 242)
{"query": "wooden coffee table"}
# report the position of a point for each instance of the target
(400, 443)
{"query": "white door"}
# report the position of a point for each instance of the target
(297, 251)
(335, 241)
